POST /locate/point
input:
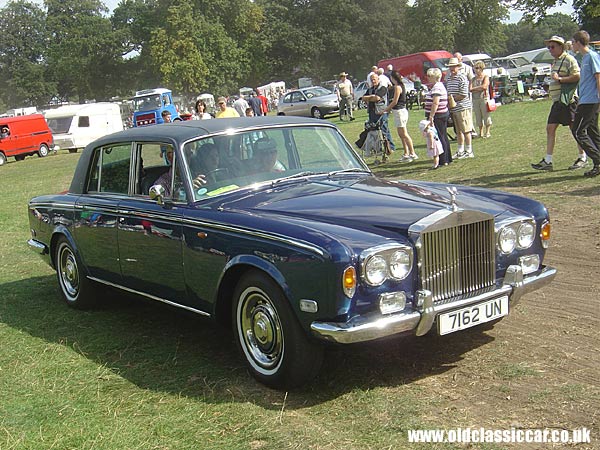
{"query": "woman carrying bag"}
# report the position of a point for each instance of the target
(480, 85)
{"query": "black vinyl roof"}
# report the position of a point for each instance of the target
(180, 131)
(183, 130)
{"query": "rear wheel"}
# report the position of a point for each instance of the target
(2, 158)
(276, 349)
(43, 151)
(77, 290)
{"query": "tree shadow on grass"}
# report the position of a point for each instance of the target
(169, 350)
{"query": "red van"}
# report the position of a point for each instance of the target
(22, 136)
(417, 64)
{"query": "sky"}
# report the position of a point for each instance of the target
(514, 15)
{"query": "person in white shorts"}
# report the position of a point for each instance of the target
(397, 106)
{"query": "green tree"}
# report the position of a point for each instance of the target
(432, 25)
(174, 51)
(588, 15)
(82, 50)
(22, 49)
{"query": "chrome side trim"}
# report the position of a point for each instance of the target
(375, 326)
(151, 297)
(273, 237)
(52, 205)
(38, 247)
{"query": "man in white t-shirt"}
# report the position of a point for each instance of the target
(345, 91)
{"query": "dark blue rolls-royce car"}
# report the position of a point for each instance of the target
(275, 226)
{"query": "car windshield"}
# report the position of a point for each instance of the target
(316, 92)
(147, 103)
(441, 63)
(224, 163)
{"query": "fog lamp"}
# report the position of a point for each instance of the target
(392, 302)
(529, 263)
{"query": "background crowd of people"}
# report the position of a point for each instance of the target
(465, 92)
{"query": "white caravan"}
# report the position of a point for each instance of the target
(75, 126)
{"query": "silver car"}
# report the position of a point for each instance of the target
(314, 101)
(515, 66)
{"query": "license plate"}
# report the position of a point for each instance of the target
(472, 315)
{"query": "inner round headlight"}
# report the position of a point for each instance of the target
(507, 240)
(400, 264)
(375, 270)
(525, 235)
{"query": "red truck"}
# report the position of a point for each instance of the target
(415, 65)
(22, 136)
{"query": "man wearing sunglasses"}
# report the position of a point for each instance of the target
(563, 84)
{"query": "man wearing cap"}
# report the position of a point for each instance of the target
(457, 85)
(585, 124)
(224, 110)
(564, 79)
(344, 91)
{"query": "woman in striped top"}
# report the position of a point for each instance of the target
(436, 110)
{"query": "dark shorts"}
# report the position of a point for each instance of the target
(562, 114)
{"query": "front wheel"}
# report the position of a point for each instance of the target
(76, 289)
(316, 113)
(276, 349)
(43, 151)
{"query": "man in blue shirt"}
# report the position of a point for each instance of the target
(585, 125)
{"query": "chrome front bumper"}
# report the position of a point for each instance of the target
(37, 247)
(365, 328)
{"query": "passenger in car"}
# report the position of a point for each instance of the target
(265, 156)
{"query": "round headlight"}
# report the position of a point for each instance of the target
(375, 270)
(400, 264)
(507, 240)
(525, 235)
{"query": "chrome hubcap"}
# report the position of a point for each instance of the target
(69, 272)
(260, 329)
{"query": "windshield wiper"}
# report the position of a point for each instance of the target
(354, 169)
(297, 175)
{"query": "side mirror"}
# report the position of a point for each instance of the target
(157, 192)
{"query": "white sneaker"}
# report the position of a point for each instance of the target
(415, 156)
(406, 159)
(459, 155)
(469, 155)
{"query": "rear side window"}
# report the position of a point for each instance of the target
(84, 121)
(110, 169)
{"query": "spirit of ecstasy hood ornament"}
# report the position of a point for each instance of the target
(453, 193)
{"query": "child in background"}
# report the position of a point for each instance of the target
(434, 145)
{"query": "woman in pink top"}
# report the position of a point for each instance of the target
(436, 110)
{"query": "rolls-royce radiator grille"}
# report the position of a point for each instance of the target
(458, 261)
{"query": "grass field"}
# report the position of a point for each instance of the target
(135, 375)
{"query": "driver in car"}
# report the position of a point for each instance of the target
(207, 165)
